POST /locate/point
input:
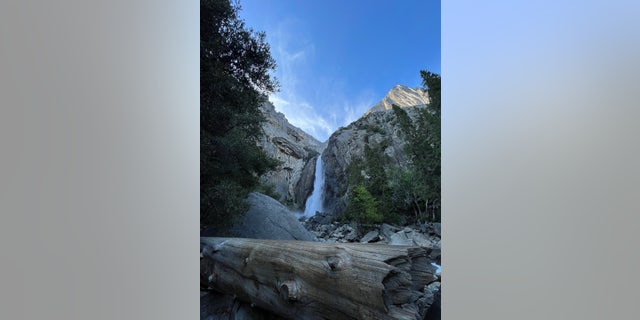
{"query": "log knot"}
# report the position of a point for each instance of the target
(290, 291)
(334, 262)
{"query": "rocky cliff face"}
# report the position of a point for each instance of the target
(295, 149)
(402, 96)
(346, 144)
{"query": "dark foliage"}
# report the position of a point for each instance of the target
(235, 65)
(422, 194)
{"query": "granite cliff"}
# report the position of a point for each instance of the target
(378, 126)
(401, 96)
(296, 150)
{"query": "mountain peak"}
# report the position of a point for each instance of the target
(401, 96)
(399, 87)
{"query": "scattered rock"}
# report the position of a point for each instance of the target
(433, 287)
(386, 231)
(431, 228)
(351, 236)
(410, 237)
(433, 310)
(430, 299)
(371, 236)
(400, 238)
(344, 232)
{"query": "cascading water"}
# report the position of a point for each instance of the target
(438, 268)
(314, 202)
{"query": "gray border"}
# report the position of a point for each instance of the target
(99, 160)
(99, 118)
(540, 159)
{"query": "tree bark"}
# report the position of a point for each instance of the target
(313, 280)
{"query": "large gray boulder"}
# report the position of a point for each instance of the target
(269, 219)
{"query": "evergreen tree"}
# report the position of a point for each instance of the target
(362, 207)
(377, 164)
(429, 123)
(235, 65)
(418, 187)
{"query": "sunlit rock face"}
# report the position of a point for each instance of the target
(402, 96)
(376, 125)
(294, 148)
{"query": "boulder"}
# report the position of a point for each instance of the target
(400, 238)
(319, 218)
(410, 237)
(433, 310)
(370, 236)
(431, 228)
(351, 236)
(386, 231)
(430, 301)
(269, 219)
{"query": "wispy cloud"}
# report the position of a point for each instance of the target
(301, 114)
(314, 103)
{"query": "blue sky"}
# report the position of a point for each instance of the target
(336, 59)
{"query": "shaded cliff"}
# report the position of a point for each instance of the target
(295, 149)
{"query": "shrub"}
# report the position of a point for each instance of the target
(362, 207)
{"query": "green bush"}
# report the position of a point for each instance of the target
(362, 207)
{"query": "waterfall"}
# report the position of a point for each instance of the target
(314, 202)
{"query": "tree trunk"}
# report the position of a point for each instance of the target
(417, 205)
(313, 280)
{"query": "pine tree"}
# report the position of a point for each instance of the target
(418, 187)
(235, 65)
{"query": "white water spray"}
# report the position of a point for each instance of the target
(314, 202)
(438, 268)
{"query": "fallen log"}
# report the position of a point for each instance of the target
(313, 280)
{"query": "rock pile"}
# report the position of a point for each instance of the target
(425, 235)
